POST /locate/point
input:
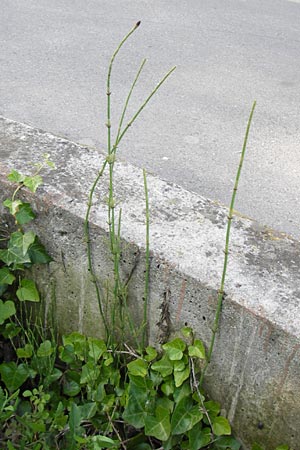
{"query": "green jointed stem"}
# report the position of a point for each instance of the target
(89, 248)
(147, 272)
(226, 250)
(111, 201)
(119, 290)
(134, 117)
(126, 104)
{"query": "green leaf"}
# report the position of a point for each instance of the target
(11, 330)
(25, 352)
(52, 377)
(38, 253)
(28, 291)
(282, 447)
(71, 388)
(24, 214)
(33, 182)
(96, 348)
(175, 349)
(187, 332)
(7, 309)
(159, 425)
(67, 354)
(168, 387)
(199, 437)
(88, 410)
(137, 408)
(185, 416)
(13, 206)
(14, 256)
(79, 342)
(22, 240)
(15, 176)
(138, 368)
(183, 391)
(100, 442)
(213, 408)
(151, 353)
(179, 366)
(45, 349)
(10, 446)
(74, 421)
(14, 376)
(197, 350)
(225, 443)
(180, 377)
(6, 277)
(164, 366)
(89, 373)
(220, 426)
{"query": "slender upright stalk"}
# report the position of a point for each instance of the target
(147, 264)
(226, 250)
(119, 290)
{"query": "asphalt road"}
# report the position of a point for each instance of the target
(54, 58)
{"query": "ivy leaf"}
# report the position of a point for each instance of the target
(6, 277)
(22, 240)
(71, 388)
(220, 426)
(199, 438)
(15, 176)
(14, 255)
(33, 182)
(38, 253)
(96, 348)
(24, 214)
(28, 291)
(164, 366)
(45, 349)
(187, 332)
(90, 373)
(183, 391)
(137, 408)
(175, 349)
(168, 387)
(12, 205)
(180, 377)
(138, 368)
(7, 309)
(25, 352)
(74, 421)
(225, 443)
(213, 408)
(197, 350)
(159, 425)
(14, 376)
(151, 354)
(100, 442)
(185, 416)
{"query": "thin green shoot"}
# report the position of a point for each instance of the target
(226, 250)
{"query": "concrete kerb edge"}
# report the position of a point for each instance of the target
(255, 369)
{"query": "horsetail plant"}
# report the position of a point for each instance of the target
(226, 249)
(114, 224)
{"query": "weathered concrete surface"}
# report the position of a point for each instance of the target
(255, 369)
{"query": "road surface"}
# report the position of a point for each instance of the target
(54, 58)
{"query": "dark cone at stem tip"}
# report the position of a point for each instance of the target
(137, 24)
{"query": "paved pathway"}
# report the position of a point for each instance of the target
(54, 57)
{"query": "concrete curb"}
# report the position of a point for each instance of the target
(255, 368)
